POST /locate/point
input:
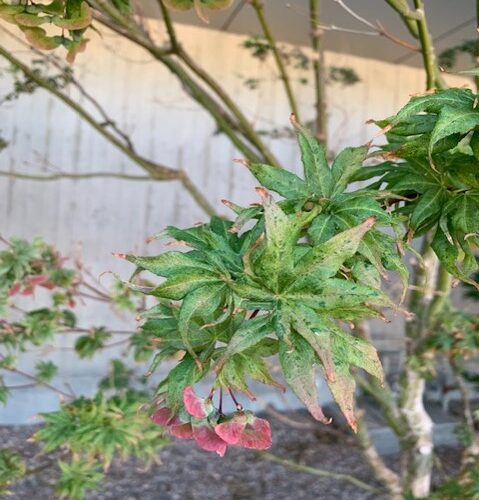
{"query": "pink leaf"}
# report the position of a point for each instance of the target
(208, 440)
(181, 431)
(194, 405)
(257, 435)
(38, 280)
(28, 290)
(14, 289)
(162, 416)
(231, 430)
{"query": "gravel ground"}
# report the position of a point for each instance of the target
(191, 474)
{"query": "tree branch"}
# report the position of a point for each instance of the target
(383, 473)
(383, 395)
(195, 193)
(107, 120)
(408, 16)
(434, 77)
(476, 51)
(243, 123)
(380, 392)
(157, 171)
(471, 452)
(416, 23)
(441, 294)
(221, 116)
(417, 447)
(259, 9)
(321, 121)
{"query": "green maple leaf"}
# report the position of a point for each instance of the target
(437, 173)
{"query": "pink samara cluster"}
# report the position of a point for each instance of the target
(211, 429)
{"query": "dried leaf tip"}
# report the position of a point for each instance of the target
(264, 193)
(369, 222)
(293, 120)
(382, 131)
(120, 255)
(227, 203)
(241, 161)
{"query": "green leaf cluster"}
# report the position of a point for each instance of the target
(35, 327)
(432, 165)
(77, 478)
(457, 335)
(87, 345)
(45, 371)
(74, 16)
(101, 427)
(22, 263)
(286, 286)
(12, 468)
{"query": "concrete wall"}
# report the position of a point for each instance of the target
(108, 215)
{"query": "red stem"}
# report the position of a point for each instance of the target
(239, 407)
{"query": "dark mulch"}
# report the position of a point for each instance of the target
(188, 473)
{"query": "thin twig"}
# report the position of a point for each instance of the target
(20, 386)
(66, 175)
(399, 41)
(297, 424)
(36, 380)
(95, 290)
(318, 472)
(355, 14)
(88, 330)
(334, 27)
(378, 28)
(259, 9)
(92, 297)
(229, 21)
(52, 348)
(5, 241)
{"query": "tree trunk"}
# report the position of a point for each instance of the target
(417, 448)
(417, 445)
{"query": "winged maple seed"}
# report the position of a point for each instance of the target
(210, 428)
